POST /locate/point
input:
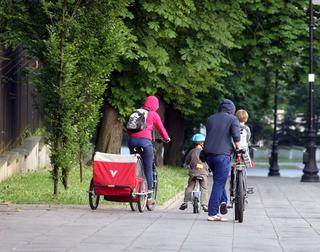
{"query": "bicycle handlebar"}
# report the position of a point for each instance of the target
(255, 146)
(159, 140)
(240, 151)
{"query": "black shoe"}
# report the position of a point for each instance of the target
(205, 208)
(223, 208)
(183, 206)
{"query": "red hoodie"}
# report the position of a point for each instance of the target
(151, 104)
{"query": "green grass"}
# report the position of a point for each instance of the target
(37, 187)
(279, 160)
(171, 181)
(282, 167)
(289, 164)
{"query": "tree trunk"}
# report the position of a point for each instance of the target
(65, 178)
(159, 147)
(81, 163)
(55, 175)
(60, 79)
(175, 127)
(110, 132)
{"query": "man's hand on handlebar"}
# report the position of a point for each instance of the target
(240, 151)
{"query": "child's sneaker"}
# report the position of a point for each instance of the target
(205, 208)
(183, 206)
(151, 201)
(223, 208)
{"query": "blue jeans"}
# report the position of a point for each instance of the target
(147, 156)
(220, 167)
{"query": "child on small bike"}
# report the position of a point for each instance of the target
(245, 135)
(196, 168)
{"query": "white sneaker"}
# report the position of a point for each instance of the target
(216, 217)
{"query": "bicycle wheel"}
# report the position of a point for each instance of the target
(93, 198)
(196, 205)
(154, 191)
(142, 199)
(133, 206)
(240, 197)
(231, 182)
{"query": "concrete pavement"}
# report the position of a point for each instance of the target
(282, 215)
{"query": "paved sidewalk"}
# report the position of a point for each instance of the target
(282, 215)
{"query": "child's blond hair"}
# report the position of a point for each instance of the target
(242, 115)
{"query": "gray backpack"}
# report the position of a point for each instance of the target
(137, 120)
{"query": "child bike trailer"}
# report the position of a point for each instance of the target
(118, 178)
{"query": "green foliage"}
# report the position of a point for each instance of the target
(40, 132)
(275, 39)
(78, 44)
(178, 53)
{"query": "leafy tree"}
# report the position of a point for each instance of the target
(275, 40)
(178, 55)
(96, 54)
(78, 43)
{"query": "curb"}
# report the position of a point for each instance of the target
(166, 205)
(171, 201)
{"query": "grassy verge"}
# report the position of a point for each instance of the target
(37, 187)
(285, 164)
(283, 167)
(279, 160)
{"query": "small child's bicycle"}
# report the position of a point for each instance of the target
(196, 194)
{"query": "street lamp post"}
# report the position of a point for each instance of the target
(273, 160)
(310, 171)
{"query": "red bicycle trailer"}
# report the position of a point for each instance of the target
(118, 178)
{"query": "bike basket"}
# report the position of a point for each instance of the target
(116, 173)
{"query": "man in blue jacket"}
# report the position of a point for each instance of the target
(222, 134)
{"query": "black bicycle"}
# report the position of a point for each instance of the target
(238, 185)
(155, 181)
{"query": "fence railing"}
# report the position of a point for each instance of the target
(20, 108)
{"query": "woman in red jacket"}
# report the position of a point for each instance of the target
(143, 138)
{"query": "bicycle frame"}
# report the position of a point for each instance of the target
(155, 178)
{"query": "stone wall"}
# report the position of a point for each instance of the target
(32, 155)
(284, 152)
